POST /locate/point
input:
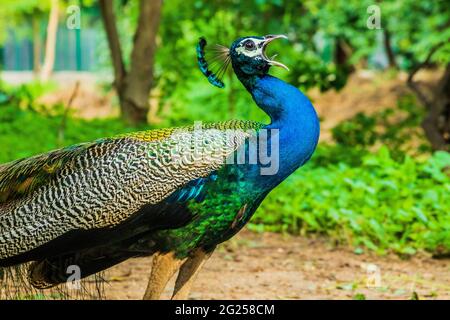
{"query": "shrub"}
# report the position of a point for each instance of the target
(382, 204)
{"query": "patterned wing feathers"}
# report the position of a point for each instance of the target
(102, 184)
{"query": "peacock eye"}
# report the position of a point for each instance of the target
(249, 45)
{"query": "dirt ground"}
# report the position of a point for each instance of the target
(273, 266)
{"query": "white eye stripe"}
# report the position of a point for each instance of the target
(250, 53)
(257, 42)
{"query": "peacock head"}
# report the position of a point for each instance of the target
(248, 55)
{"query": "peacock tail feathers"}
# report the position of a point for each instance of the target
(15, 285)
(22, 176)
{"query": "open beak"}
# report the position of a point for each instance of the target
(268, 39)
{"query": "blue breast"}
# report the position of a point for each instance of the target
(293, 120)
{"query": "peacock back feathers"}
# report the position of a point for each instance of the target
(101, 184)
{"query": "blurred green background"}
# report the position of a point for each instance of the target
(380, 77)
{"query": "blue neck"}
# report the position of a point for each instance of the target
(293, 115)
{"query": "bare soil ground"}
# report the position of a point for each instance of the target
(273, 266)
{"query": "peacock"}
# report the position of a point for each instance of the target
(173, 193)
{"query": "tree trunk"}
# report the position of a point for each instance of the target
(37, 44)
(139, 80)
(109, 22)
(133, 87)
(388, 47)
(437, 122)
(50, 43)
(342, 54)
(445, 90)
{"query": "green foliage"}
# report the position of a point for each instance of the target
(344, 20)
(396, 128)
(13, 13)
(25, 132)
(311, 71)
(359, 296)
(417, 27)
(358, 131)
(24, 95)
(382, 204)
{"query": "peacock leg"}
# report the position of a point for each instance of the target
(164, 267)
(188, 273)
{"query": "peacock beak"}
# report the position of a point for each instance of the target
(268, 39)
